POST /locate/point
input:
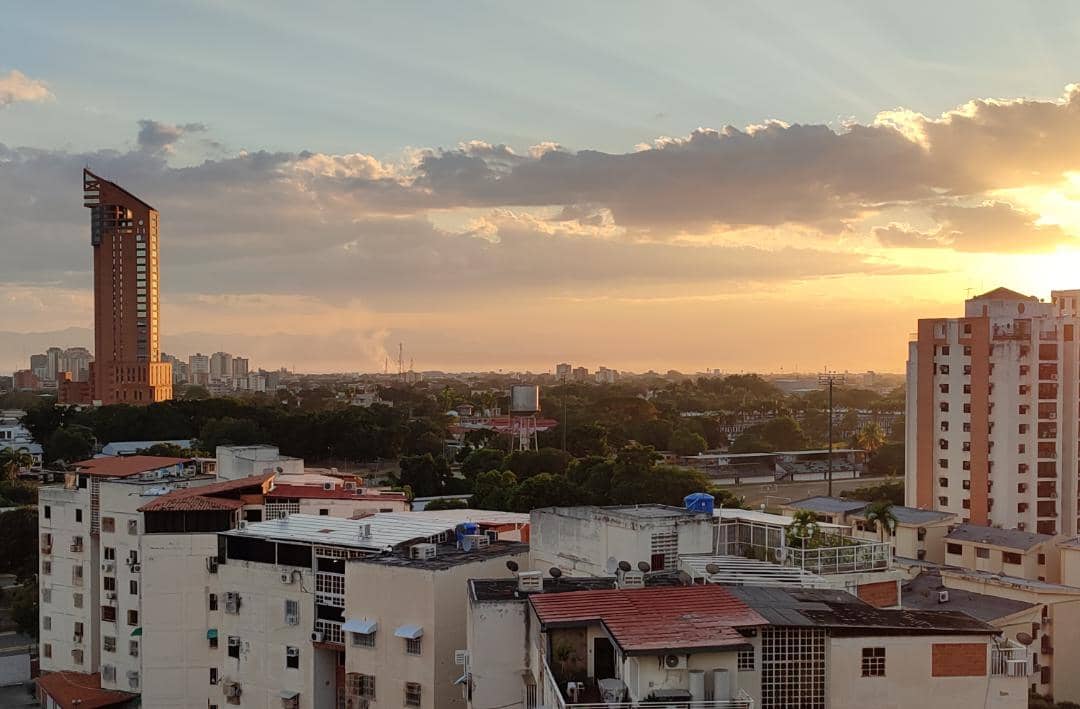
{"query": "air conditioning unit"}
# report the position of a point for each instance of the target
(133, 679)
(108, 673)
(461, 657)
(423, 551)
(328, 486)
(530, 581)
(292, 619)
(632, 579)
(231, 690)
(942, 596)
(110, 595)
(286, 577)
(675, 662)
(292, 652)
(232, 602)
(136, 568)
(316, 636)
(212, 564)
(241, 525)
(350, 486)
(474, 541)
(109, 567)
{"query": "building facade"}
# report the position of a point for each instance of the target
(992, 412)
(124, 236)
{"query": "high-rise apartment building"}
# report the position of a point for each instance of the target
(562, 371)
(221, 365)
(240, 366)
(124, 236)
(992, 412)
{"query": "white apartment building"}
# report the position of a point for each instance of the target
(280, 605)
(993, 402)
(14, 435)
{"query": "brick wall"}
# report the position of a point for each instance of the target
(958, 660)
(881, 594)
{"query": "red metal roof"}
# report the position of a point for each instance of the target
(122, 466)
(189, 498)
(654, 620)
(79, 690)
(337, 493)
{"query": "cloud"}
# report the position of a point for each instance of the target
(17, 87)
(991, 227)
(158, 137)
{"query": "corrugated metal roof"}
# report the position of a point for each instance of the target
(489, 517)
(71, 690)
(386, 530)
(317, 492)
(911, 515)
(654, 620)
(126, 465)
(825, 504)
(738, 571)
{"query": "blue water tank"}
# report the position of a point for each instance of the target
(699, 502)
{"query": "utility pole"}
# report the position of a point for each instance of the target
(829, 379)
(562, 424)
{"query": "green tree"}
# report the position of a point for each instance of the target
(870, 438)
(543, 490)
(525, 464)
(587, 439)
(69, 444)
(455, 503)
(687, 442)
(19, 529)
(195, 392)
(168, 450)
(482, 460)
(230, 431)
(14, 460)
(24, 607)
(492, 490)
(750, 441)
(891, 491)
(783, 434)
(425, 474)
(880, 513)
(803, 529)
(889, 460)
(897, 433)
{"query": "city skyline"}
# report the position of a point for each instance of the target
(773, 219)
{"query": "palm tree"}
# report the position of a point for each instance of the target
(12, 460)
(881, 514)
(803, 528)
(870, 438)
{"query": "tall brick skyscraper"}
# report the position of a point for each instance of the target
(127, 353)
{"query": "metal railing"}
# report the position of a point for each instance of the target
(1009, 661)
(869, 556)
(553, 699)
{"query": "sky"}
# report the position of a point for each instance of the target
(508, 185)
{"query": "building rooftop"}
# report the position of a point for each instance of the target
(827, 505)
(922, 593)
(447, 556)
(493, 518)
(728, 514)
(1002, 293)
(745, 456)
(1012, 581)
(121, 447)
(738, 571)
(913, 515)
(318, 492)
(79, 690)
(1007, 538)
(506, 589)
(127, 465)
(654, 620)
(215, 496)
(375, 533)
(843, 613)
(650, 511)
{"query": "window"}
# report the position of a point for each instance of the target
(76, 600)
(211, 638)
(967, 348)
(78, 631)
(133, 617)
(412, 694)
(359, 685)
(212, 601)
(324, 512)
(133, 648)
(108, 614)
(109, 643)
(665, 549)
(292, 658)
(46, 649)
(413, 646)
(982, 552)
(954, 549)
(133, 587)
(363, 639)
(133, 526)
(46, 568)
(46, 595)
(213, 675)
(108, 524)
(873, 662)
(78, 515)
(966, 484)
(110, 553)
(944, 425)
(108, 583)
(234, 646)
(46, 622)
(47, 512)
(1042, 559)
(1011, 557)
(292, 612)
(746, 659)
(945, 350)
(943, 462)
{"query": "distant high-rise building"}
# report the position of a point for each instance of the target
(606, 376)
(992, 412)
(77, 361)
(26, 380)
(220, 366)
(124, 236)
(563, 371)
(240, 367)
(198, 363)
(581, 373)
(39, 364)
(53, 362)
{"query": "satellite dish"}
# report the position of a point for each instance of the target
(280, 469)
(512, 565)
(1024, 638)
(555, 572)
(624, 566)
(712, 568)
(643, 567)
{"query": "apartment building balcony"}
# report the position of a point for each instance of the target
(1010, 660)
(853, 557)
(590, 694)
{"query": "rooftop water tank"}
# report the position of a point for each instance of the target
(524, 399)
(699, 502)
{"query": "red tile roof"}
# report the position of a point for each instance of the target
(317, 492)
(654, 620)
(122, 466)
(207, 497)
(67, 688)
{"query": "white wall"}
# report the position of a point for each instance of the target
(498, 652)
